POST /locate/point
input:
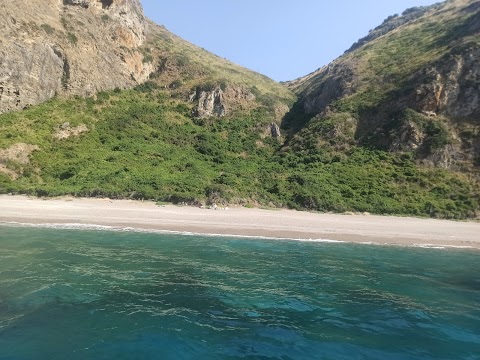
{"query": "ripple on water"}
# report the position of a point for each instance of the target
(163, 296)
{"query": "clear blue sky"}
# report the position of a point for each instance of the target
(283, 39)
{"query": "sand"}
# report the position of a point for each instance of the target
(281, 224)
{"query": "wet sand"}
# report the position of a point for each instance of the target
(281, 224)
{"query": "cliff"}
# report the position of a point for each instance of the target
(70, 47)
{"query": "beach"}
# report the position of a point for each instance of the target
(278, 224)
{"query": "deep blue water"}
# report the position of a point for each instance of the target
(69, 294)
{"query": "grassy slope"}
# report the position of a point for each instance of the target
(189, 66)
(385, 64)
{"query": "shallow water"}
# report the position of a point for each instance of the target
(70, 294)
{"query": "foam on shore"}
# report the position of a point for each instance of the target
(95, 227)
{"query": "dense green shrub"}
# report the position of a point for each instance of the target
(143, 144)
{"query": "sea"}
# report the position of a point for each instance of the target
(94, 293)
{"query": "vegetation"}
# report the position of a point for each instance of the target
(144, 144)
(363, 139)
(383, 75)
(47, 28)
(186, 66)
(72, 38)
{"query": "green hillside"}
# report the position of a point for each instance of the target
(143, 144)
(412, 87)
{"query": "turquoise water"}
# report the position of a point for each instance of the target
(69, 294)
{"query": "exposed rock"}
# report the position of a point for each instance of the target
(209, 103)
(275, 131)
(319, 89)
(66, 131)
(29, 74)
(451, 87)
(217, 102)
(82, 3)
(74, 47)
(447, 157)
(408, 138)
(128, 13)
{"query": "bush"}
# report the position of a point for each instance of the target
(47, 28)
(72, 38)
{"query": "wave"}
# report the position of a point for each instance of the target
(95, 227)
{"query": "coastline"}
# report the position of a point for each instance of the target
(241, 222)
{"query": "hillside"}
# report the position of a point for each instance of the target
(80, 47)
(180, 124)
(412, 85)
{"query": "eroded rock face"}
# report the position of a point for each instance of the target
(217, 102)
(209, 103)
(29, 74)
(328, 84)
(452, 87)
(82, 3)
(71, 47)
(409, 138)
(128, 13)
(275, 130)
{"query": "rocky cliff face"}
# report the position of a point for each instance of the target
(219, 102)
(319, 89)
(450, 87)
(72, 47)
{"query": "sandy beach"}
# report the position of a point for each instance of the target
(282, 224)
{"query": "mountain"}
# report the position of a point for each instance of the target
(411, 85)
(99, 101)
(80, 47)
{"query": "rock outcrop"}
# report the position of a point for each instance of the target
(452, 86)
(209, 103)
(337, 82)
(275, 131)
(29, 74)
(71, 47)
(217, 102)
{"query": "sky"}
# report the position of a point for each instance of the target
(283, 39)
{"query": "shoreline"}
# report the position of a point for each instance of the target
(130, 215)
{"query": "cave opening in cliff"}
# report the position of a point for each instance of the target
(106, 3)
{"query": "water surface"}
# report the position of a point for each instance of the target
(70, 294)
